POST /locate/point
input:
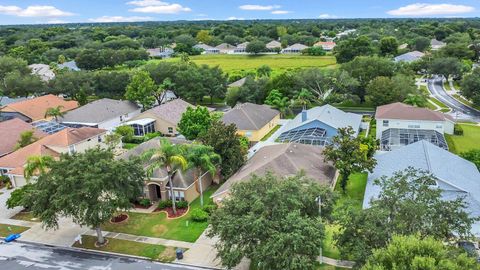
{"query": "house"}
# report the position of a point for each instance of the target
(437, 45)
(318, 125)
(455, 176)
(163, 118)
(4, 100)
(295, 48)
(400, 124)
(185, 186)
(326, 45)
(403, 46)
(34, 109)
(241, 48)
(283, 160)
(252, 120)
(104, 113)
(66, 141)
(272, 45)
(346, 33)
(226, 48)
(70, 65)
(163, 52)
(238, 83)
(206, 49)
(43, 71)
(10, 132)
(409, 57)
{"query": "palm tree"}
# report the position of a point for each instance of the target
(36, 165)
(304, 98)
(203, 159)
(54, 112)
(169, 157)
(416, 100)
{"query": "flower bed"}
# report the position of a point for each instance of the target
(119, 219)
(169, 210)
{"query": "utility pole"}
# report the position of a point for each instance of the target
(319, 201)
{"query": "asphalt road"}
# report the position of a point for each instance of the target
(21, 256)
(460, 110)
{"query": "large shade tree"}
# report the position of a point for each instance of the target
(194, 122)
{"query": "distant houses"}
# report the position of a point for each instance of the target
(226, 48)
(206, 49)
(436, 44)
(43, 71)
(326, 45)
(295, 48)
(70, 65)
(409, 57)
(272, 45)
(162, 52)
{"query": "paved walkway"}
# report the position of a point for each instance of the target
(142, 239)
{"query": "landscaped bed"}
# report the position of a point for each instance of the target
(158, 225)
(469, 141)
(154, 252)
(6, 229)
(26, 216)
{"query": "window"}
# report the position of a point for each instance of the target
(385, 123)
(179, 195)
(413, 125)
(439, 126)
(170, 129)
(71, 149)
(99, 139)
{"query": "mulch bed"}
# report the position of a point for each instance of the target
(169, 211)
(119, 219)
(136, 205)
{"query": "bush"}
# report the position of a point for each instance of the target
(209, 208)
(164, 204)
(198, 215)
(145, 202)
(458, 130)
(135, 140)
(182, 204)
(150, 136)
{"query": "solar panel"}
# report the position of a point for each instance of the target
(397, 137)
(310, 136)
(49, 127)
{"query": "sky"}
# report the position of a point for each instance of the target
(73, 11)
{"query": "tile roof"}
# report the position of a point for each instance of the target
(249, 116)
(284, 160)
(10, 133)
(403, 111)
(460, 178)
(35, 108)
(99, 111)
(170, 111)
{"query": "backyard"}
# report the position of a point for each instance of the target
(157, 224)
(468, 141)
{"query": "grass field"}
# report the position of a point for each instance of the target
(469, 140)
(278, 62)
(6, 229)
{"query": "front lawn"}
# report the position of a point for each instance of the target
(6, 229)
(154, 252)
(355, 189)
(270, 133)
(469, 141)
(157, 224)
(26, 216)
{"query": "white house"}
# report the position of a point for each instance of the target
(241, 48)
(226, 48)
(43, 71)
(437, 45)
(400, 124)
(295, 48)
(272, 45)
(326, 45)
(206, 49)
(163, 52)
(103, 113)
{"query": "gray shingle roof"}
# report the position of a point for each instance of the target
(456, 176)
(171, 111)
(249, 116)
(99, 111)
(238, 83)
(409, 57)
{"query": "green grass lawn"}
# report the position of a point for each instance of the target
(27, 216)
(439, 103)
(6, 229)
(129, 146)
(465, 101)
(270, 133)
(447, 87)
(154, 252)
(329, 267)
(157, 224)
(328, 248)
(278, 62)
(469, 140)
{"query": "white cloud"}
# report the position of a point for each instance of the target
(327, 16)
(233, 18)
(146, 3)
(279, 12)
(259, 7)
(156, 6)
(56, 21)
(422, 9)
(120, 19)
(34, 11)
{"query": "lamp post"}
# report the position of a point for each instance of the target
(319, 201)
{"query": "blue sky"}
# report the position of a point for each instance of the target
(51, 11)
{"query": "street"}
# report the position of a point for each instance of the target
(460, 110)
(20, 256)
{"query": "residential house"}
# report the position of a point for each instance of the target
(66, 141)
(34, 109)
(409, 57)
(403, 46)
(346, 33)
(437, 45)
(326, 45)
(70, 65)
(4, 100)
(282, 160)
(226, 48)
(238, 83)
(162, 52)
(272, 45)
(455, 176)
(295, 48)
(252, 120)
(104, 113)
(400, 124)
(43, 71)
(10, 132)
(185, 185)
(241, 48)
(318, 125)
(206, 49)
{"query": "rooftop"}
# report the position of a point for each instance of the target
(171, 111)
(249, 116)
(410, 56)
(10, 133)
(403, 111)
(36, 108)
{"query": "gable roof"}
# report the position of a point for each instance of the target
(10, 133)
(43, 71)
(99, 111)
(249, 116)
(243, 45)
(325, 43)
(403, 111)
(64, 138)
(460, 178)
(435, 42)
(329, 115)
(273, 44)
(225, 46)
(238, 83)
(203, 46)
(284, 160)
(170, 111)
(409, 57)
(296, 46)
(35, 108)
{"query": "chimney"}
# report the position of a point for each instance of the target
(304, 115)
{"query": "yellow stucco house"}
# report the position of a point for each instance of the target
(252, 120)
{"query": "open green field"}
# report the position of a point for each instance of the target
(469, 140)
(278, 62)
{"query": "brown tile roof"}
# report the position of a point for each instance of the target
(284, 160)
(35, 108)
(403, 111)
(249, 116)
(64, 138)
(10, 134)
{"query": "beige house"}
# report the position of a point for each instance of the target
(68, 140)
(185, 185)
(252, 120)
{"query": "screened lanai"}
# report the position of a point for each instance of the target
(310, 136)
(395, 137)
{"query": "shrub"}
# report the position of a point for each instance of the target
(145, 202)
(198, 215)
(182, 204)
(150, 136)
(135, 140)
(458, 130)
(209, 208)
(164, 204)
